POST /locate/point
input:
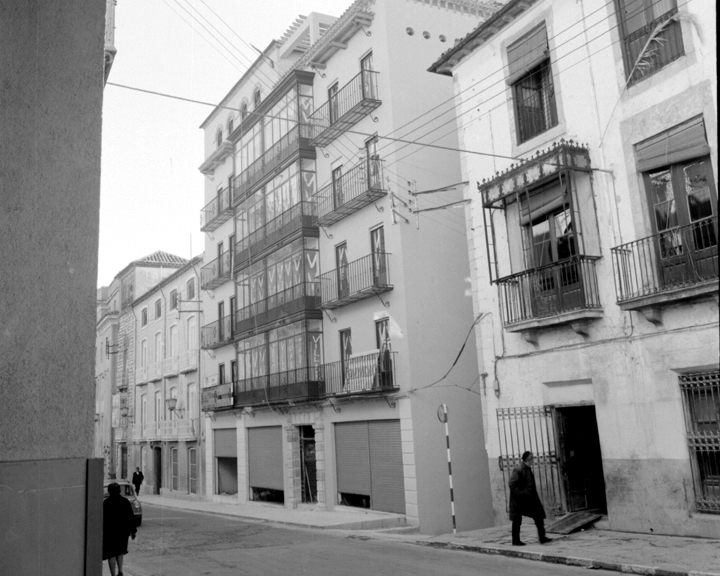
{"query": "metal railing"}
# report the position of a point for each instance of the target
(217, 272)
(301, 215)
(355, 281)
(356, 188)
(270, 160)
(353, 101)
(298, 384)
(217, 333)
(303, 296)
(217, 397)
(673, 259)
(217, 211)
(665, 47)
(701, 403)
(550, 290)
(360, 373)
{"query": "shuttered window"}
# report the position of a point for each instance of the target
(353, 458)
(683, 142)
(265, 457)
(226, 443)
(526, 53)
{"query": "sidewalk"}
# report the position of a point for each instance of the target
(596, 549)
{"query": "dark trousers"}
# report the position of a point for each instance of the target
(137, 488)
(517, 522)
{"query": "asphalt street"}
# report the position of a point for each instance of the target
(174, 542)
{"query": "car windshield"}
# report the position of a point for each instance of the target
(125, 490)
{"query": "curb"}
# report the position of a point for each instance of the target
(567, 560)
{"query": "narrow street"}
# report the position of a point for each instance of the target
(179, 543)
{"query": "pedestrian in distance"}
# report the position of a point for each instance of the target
(118, 525)
(524, 500)
(137, 479)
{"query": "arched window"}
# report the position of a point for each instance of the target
(218, 137)
(243, 111)
(231, 126)
(256, 98)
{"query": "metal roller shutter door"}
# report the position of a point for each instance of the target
(265, 457)
(352, 458)
(226, 443)
(386, 467)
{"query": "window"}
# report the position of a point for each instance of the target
(231, 126)
(221, 373)
(192, 400)
(373, 163)
(368, 77)
(345, 351)
(158, 406)
(701, 401)
(192, 471)
(651, 36)
(233, 371)
(231, 316)
(379, 257)
(243, 110)
(682, 201)
(143, 408)
(530, 77)
(382, 334)
(191, 289)
(341, 262)
(143, 317)
(174, 468)
(107, 347)
(337, 187)
(143, 353)
(158, 308)
(158, 347)
(334, 101)
(173, 300)
(218, 137)
(173, 341)
(191, 333)
(256, 98)
(221, 324)
(231, 246)
(220, 251)
(174, 394)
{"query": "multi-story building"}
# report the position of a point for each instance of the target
(163, 401)
(594, 253)
(342, 302)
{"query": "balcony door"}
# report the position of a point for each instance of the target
(220, 248)
(221, 321)
(341, 261)
(373, 164)
(338, 196)
(683, 204)
(333, 102)
(382, 341)
(345, 353)
(379, 263)
(368, 77)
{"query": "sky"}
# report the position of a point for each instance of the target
(151, 191)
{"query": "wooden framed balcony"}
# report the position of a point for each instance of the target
(559, 293)
(217, 272)
(291, 143)
(343, 110)
(361, 374)
(216, 212)
(356, 281)
(301, 297)
(301, 216)
(300, 384)
(217, 397)
(361, 186)
(676, 264)
(217, 333)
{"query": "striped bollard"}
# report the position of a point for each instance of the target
(443, 417)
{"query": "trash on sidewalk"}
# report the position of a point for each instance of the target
(573, 522)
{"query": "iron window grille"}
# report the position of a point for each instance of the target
(701, 402)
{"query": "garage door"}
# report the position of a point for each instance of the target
(265, 458)
(369, 462)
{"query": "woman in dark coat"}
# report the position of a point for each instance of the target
(524, 500)
(118, 525)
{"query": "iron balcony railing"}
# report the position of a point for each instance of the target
(352, 102)
(217, 333)
(217, 397)
(355, 281)
(550, 290)
(297, 217)
(355, 189)
(663, 48)
(217, 272)
(303, 296)
(361, 373)
(216, 212)
(298, 384)
(296, 138)
(674, 259)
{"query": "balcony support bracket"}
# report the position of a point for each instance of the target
(336, 408)
(581, 327)
(652, 314)
(374, 118)
(238, 414)
(328, 235)
(210, 415)
(390, 402)
(386, 304)
(333, 320)
(318, 407)
(379, 208)
(530, 336)
(325, 154)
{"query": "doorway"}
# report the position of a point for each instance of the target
(158, 469)
(580, 459)
(308, 469)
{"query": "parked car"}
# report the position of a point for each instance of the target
(127, 490)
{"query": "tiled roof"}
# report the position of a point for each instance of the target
(160, 258)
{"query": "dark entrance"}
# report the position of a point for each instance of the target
(308, 470)
(580, 458)
(158, 468)
(123, 461)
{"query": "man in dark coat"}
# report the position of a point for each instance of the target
(118, 525)
(524, 500)
(138, 478)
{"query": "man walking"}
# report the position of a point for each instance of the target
(137, 479)
(524, 500)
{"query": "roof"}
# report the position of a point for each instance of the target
(165, 281)
(158, 259)
(479, 36)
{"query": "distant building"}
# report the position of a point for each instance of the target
(332, 306)
(594, 253)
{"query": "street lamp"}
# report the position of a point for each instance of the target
(172, 406)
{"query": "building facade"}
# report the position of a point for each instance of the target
(594, 254)
(337, 306)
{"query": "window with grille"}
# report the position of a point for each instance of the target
(533, 91)
(701, 401)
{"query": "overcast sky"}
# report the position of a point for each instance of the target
(151, 189)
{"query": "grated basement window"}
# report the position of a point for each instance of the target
(701, 402)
